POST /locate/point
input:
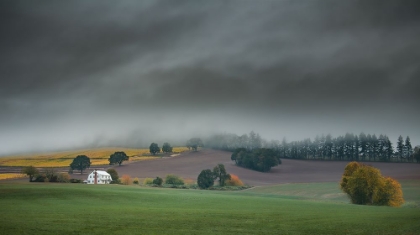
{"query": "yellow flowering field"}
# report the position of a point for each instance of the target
(4, 176)
(63, 159)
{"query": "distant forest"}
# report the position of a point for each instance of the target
(349, 147)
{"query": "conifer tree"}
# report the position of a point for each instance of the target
(356, 148)
(328, 146)
(389, 149)
(408, 147)
(363, 145)
(400, 147)
(375, 147)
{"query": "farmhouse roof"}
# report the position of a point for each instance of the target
(101, 172)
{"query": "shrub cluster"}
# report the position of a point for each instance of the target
(158, 181)
(366, 186)
(63, 178)
(260, 159)
(125, 180)
(234, 181)
(206, 178)
(174, 180)
(114, 176)
(148, 181)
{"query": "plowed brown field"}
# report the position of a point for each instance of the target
(190, 164)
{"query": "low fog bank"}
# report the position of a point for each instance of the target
(139, 130)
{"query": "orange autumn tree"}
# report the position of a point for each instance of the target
(234, 181)
(366, 186)
(125, 179)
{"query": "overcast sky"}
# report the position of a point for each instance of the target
(86, 73)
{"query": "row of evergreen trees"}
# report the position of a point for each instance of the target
(349, 147)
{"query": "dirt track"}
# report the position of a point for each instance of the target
(190, 164)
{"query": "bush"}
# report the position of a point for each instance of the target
(51, 175)
(189, 181)
(348, 171)
(125, 179)
(147, 181)
(234, 181)
(174, 180)
(366, 186)
(114, 176)
(136, 181)
(63, 178)
(30, 171)
(158, 181)
(40, 178)
(205, 179)
(391, 194)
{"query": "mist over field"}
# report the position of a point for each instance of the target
(77, 74)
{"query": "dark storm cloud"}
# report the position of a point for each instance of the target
(95, 69)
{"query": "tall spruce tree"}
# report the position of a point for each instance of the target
(381, 147)
(369, 146)
(389, 149)
(328, 146)
(356, 147)
(363, 145)
(400, 147)
(408, 148)
(375, 147)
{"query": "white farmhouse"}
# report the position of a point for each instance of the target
(99, 177)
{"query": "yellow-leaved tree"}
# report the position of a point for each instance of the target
(366, 186)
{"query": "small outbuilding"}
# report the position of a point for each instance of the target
(99, 177)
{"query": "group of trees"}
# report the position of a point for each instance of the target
(417, 153)
(154, 148)
(260, 159)
(45, 175)
(82, 162)
(349, 147)
(194, 143)
(366, 186)
(207, 177)
(170, 179)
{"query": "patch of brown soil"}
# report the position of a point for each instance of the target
(190, 164)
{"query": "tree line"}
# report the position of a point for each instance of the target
(349, 147)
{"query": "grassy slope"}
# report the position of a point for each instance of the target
(330, 192)
(114, 209)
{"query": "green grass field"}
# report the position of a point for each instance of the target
(331, 192)
(47, 208)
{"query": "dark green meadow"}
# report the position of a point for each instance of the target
(47, 208)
